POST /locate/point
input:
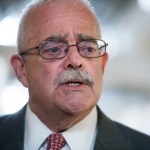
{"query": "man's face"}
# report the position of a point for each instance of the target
(41, 75)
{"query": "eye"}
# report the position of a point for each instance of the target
(52, 50)
(52, 47)
(90, 49)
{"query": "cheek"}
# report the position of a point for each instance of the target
(47, 75)
(41, 87)
(41, 75)
(95, 69)
(97, 75)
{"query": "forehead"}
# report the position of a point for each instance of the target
(62, 18)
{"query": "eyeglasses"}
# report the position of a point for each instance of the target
(52, 49)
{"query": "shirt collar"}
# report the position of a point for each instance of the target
(33, 129)
(80, 136)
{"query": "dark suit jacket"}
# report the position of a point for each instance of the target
(110, 135)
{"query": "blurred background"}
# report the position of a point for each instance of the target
(125, 26)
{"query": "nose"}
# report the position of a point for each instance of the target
(73, 59)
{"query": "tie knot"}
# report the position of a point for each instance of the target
(55, 142)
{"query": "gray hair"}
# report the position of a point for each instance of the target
(72, 74)
(23, 32)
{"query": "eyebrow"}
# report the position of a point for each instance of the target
(63, 37)
(83, 37)
(59, 37)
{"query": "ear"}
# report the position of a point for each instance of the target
(104, 61)
(18, 65)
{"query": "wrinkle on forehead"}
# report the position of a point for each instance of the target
(65, 37)
(28, 28)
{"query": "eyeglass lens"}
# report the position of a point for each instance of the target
(54, 49)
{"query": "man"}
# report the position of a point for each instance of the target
(61, 61)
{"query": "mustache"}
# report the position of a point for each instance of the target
(72, 74)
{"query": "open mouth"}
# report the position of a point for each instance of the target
(74, 84)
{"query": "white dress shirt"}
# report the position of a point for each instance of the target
(81, 136)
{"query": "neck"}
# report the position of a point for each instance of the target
(57, 120)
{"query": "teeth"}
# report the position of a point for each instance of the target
(73, 84)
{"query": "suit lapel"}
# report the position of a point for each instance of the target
(12, 131)
(109, 136)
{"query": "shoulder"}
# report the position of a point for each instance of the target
(133, 135)
(113, 133)
(12, 130)
(13, 118)
(12, 121)
(3, 119)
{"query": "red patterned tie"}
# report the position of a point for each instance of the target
(55, 142)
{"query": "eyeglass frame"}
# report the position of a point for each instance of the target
(38, 47)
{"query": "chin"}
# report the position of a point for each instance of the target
(78, 107)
